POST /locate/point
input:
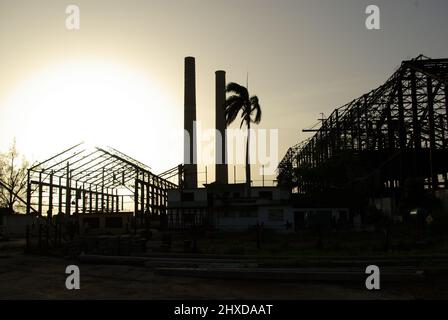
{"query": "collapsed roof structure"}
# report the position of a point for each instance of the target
(398, 131)
(96, 180)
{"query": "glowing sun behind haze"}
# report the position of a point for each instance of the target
(104, 104)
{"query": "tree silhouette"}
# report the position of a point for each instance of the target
(13, 178)
(240, 101)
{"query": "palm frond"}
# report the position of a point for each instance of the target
(255, 108)
(232, 111)
(239, 90)
(240, 101)
(230, 100)
(243, 120)
(246, 110)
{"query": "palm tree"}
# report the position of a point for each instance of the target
(250, 113)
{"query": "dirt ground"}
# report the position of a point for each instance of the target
(36, 277)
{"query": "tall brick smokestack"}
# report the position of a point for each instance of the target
(220, 149)
(190, 164)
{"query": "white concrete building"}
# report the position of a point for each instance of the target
(230, 207)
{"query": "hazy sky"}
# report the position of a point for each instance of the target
(303, 58)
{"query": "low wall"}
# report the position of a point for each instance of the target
(14, 225)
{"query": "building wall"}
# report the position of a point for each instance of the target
(104, 223)
(230, 210)
(277, 193)
(321, 216)
(271, 217)
(282, 218)
(187, 198)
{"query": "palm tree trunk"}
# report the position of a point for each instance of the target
(247, 156)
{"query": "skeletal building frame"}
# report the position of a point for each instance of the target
(404, 121)
(95, 180)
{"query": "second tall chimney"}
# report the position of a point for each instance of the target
(221, 171)
(190, 165)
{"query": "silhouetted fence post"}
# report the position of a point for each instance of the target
(258, 228)
(47, 235)
(28, 244)
(148, 233)
(320, 242)
(60, 233)
(56, 234)
(39, 237)
(195, 237)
